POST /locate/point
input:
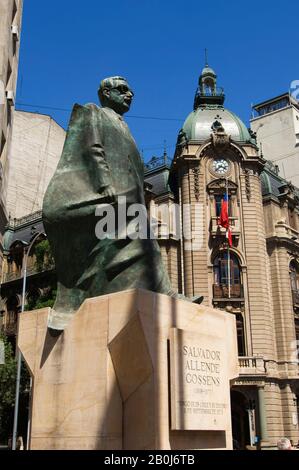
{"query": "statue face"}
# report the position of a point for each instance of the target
(119, 97)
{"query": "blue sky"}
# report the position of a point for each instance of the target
(68, 46)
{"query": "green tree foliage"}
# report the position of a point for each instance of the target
(8, 375)
(45, 300)
(43, 255)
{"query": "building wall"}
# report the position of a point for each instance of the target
(10, 14)
(259, 305)
(278, 132)
(37, 142)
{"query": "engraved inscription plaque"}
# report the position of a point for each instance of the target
(200, 395)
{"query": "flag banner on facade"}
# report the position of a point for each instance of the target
(224, 219)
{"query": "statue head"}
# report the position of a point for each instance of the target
(115, 93)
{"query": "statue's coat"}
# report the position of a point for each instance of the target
(99, 152)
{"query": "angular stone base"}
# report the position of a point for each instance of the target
(133, 370)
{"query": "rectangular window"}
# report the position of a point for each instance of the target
(269, 108)
(222, 276)
(240, 335)
(292, 219)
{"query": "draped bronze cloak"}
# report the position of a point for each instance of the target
(99, 152)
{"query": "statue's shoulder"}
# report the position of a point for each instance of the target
(86, 108)
(92, 107)
(89, 111)
(95, 111)
(82, 114)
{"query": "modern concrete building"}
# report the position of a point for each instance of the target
(276, 123)
(37, 142)
(10, 30)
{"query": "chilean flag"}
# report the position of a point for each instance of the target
(224, 219)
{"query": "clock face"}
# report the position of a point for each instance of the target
(220, 166)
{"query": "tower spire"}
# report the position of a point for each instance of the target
(207, 92)
(206, 57)
(165, 153)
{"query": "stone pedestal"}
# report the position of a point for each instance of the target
(133, 370)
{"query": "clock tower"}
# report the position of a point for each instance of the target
(216, 154)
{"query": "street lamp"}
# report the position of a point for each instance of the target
(19, 354)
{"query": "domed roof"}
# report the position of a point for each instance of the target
(208, 71)
(198, 125)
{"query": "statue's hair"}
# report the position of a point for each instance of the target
(283, 443)
(108, 83)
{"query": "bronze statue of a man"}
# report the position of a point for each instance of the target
(100, 162)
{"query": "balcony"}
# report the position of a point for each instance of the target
(216, 230)
(249, 366)
(209, 96)
(28, 219)
(13, 276)
(221, 292)
(284, 230)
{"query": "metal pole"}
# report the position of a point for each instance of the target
(29, 412)
(228, 252)
(228, 270)
(19, 355)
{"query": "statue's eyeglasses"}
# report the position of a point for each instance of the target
(122, 89)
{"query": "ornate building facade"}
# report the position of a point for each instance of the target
(256, 279)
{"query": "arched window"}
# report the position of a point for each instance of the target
(294, 275)
(227, 272)
(218, 203)
(294, 278)
(208, 89)
(240, 335)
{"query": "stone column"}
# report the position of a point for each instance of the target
(187, 227)
(195, 235)
(258, 282)
(289, 413)
(262, 414)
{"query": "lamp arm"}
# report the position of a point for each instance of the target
(19, 355)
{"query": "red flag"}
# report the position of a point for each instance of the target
(224, 219)
(229, 237)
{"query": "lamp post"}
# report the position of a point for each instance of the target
(19, 355)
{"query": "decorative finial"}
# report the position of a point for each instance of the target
(165, 153)
(206, 57)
